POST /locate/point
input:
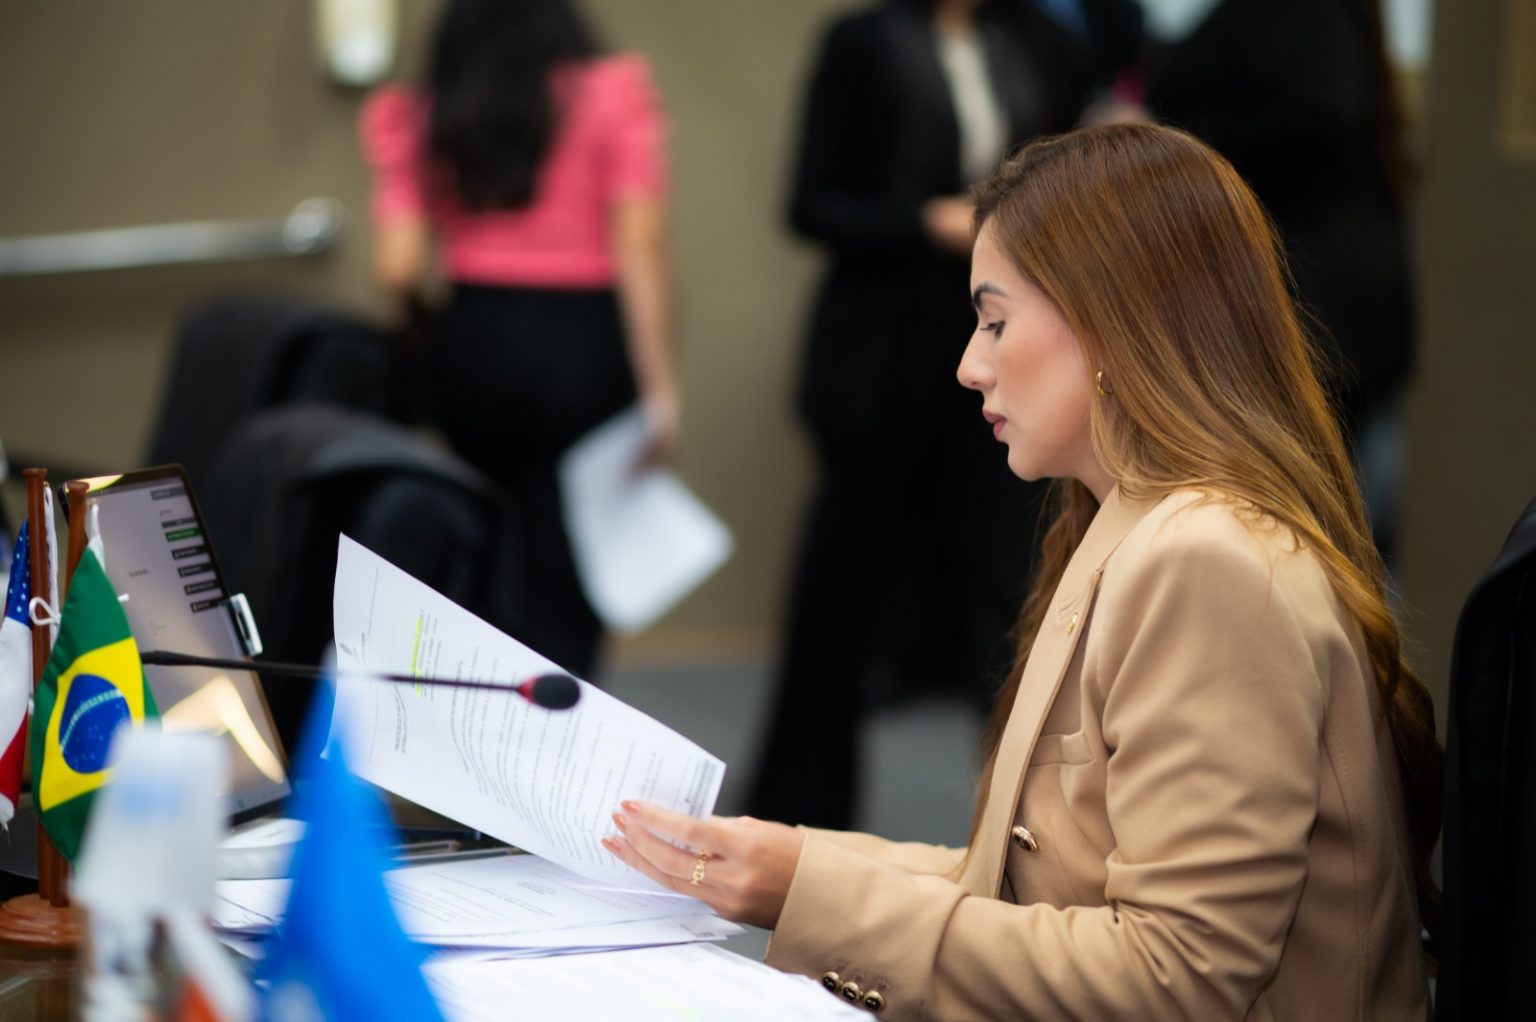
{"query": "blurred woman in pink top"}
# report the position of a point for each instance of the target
(534, 169)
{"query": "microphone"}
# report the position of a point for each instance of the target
(552, 691)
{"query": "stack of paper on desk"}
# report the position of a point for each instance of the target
(695, 982)
(544, 781)
(513, 904)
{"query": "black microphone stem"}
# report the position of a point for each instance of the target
(165, 658)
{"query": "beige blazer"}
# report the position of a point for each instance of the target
(1193, 814)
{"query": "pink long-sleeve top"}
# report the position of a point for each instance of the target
(608, 145)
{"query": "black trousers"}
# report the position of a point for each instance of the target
(518, 376)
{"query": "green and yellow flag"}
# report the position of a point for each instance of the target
(93, 684)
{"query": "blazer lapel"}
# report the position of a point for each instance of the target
(1044, 671)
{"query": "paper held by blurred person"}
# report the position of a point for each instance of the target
(533, 167)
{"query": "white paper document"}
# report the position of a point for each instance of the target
(258, 850)
(248, 906)
(518, 904)
(693, 982)
(515, 893)
(545, 781)
(589, 939)
(641, 540)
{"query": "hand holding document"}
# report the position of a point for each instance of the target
(641, 540)
(544, 781)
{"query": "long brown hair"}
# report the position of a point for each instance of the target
(1171, 275)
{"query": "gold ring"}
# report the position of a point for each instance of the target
(698, 869)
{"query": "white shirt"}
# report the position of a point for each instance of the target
(978, 114)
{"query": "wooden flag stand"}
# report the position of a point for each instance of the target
(46, 919)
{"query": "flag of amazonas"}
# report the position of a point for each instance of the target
(93, 684)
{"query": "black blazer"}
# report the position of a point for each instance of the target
(1288, 91)
(880, 139)
(1489, 948)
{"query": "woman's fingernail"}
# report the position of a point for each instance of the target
(612, 845)
(620, 822)
(629, 807)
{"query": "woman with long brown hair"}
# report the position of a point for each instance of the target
(1211, 784)
(911, 102)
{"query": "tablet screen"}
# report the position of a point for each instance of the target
(158, 554)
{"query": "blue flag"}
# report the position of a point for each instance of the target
(340, 953)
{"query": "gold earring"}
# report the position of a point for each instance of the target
(1098, 382)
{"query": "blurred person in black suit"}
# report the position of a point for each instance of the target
(1299, 95)
(911, 101)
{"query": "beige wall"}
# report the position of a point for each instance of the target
(1472, 422)
(113, 114)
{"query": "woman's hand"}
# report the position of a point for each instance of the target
(947, 220)
(663, 414)
(743, 866)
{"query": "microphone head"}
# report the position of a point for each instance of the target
(554, 691)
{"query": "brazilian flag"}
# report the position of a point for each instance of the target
(93, 685)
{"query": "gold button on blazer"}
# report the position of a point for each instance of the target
(1217, 820)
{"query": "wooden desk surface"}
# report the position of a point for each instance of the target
(38, 985)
